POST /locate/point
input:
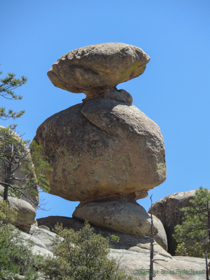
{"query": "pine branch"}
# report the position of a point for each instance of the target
(18, 190)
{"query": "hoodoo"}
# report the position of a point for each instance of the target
(105, 152)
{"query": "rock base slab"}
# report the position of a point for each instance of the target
(119, 215)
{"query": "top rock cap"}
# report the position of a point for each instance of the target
(96, 68)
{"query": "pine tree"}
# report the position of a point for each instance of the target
(151, 245)
(19, 167)
(193, 234)
(16, 164)
(17, 176)
(7, 85)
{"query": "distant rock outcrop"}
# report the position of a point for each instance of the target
(168, 210)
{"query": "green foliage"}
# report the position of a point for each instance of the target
(114, 238)
(181, 250)
(81, 255)
(15, 254)
(40, 165)
(194, 231)
(13, 154)
(7, 85)
(7, 215)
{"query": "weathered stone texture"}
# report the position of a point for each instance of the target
(95, 68)
(168, 210)
(25, 213)
(101, 149)
(160, 237)
(133, 254)
(120, 215)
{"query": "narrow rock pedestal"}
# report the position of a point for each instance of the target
(120, 214)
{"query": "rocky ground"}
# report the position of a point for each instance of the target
(132, 252)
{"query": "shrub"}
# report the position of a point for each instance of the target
(15, 253)
(181, 250)
(81, 255)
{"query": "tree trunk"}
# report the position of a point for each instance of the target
(8, 175)
(207, 269)
(151, 245)
(6, 188)
(208, 219)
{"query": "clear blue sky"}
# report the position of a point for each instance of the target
(174, 91)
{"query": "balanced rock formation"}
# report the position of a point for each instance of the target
(104, 148)
(168, 211)
(93, 69)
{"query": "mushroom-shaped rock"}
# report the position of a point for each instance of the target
(100, 149)
(95, 68)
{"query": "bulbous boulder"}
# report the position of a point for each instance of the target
(121, 214)
(101, 149)
(95, 68)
